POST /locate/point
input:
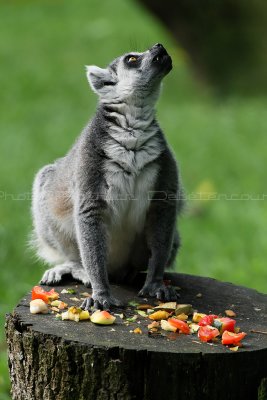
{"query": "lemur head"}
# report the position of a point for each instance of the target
(131, 78)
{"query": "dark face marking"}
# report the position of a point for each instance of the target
(113, 67)
(109, 83)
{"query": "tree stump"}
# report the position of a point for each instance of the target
(66, 360)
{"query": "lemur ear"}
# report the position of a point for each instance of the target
(99, 79)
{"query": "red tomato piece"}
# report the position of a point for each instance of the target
(232, 338)
(39, 293)
(207, 333)
(181, 325)
(207, 320)
(228, 324)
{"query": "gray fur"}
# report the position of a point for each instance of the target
(108, 208)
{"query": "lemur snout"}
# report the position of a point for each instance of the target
(161, 56)
(158, 46)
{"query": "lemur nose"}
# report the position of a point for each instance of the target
(158, 45)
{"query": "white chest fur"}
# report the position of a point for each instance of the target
(130, 174)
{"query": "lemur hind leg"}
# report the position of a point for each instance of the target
(54, 232)
(54, 275)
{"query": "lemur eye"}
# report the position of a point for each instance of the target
(132, 59)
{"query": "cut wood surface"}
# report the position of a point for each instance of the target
(52, 359)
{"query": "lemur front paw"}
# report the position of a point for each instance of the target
(52, 276)
(160, 291)
(101, 302)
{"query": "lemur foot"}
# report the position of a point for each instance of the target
(160, 291)
(101, 302)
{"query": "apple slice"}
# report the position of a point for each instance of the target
(38, 306)
(166, 326)
(102, 318)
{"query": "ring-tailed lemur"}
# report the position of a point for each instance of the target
(108, 208)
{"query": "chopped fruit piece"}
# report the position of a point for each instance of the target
(68, 291)
(137, 330)
(232, 338)
(224, 324)
(207, 333)
(166, 326)
(154, 331)
(59, 304)
(39, 293)
(84, 315)
(181, 325)
(142, 313)
(154, 324)
(170, 306)
(159, 315)
(207, 320)
(75, 314)
(102, 318)
(230, 313)
(184, 309)
(71, 291)
(55, 303)
(75, 310)
(68, 315)
(182, 317)
(74, 299)
(38, 306)
(234, 348)
(144, 307)
(72, 314)
(132, 319)
(198, 316)
(194, 327)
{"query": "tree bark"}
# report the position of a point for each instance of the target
(65, 360)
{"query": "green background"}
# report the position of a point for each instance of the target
(220, 142)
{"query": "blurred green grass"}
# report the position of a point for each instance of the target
(46, 101)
